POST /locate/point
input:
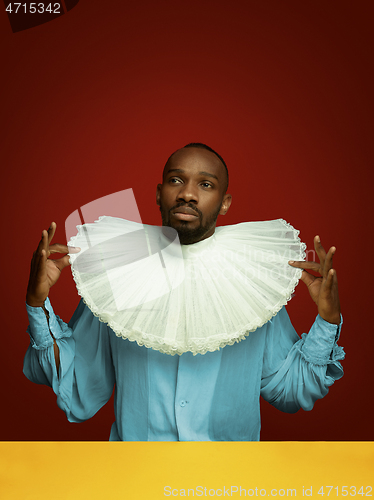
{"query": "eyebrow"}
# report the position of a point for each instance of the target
(181, 171)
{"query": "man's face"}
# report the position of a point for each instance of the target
(192, 194)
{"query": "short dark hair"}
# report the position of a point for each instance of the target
(208, 148)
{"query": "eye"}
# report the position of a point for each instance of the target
(174, 180)
(206, 184)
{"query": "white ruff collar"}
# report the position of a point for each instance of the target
(178, 298)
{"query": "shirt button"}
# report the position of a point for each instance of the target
(182, 403)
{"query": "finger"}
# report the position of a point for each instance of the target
(41, 242)
(51, 231)
(314, 266)
(307, 278)
(34, 265)
(330, 280)
(45, 239)
(328, 261)
(58, 248)
(37, 261)
(62, 263)
(42, 263)
(36, 254)
(320, 251)
(42, 246)
(74, 249)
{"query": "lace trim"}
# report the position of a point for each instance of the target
(201, 346)
(150, 341)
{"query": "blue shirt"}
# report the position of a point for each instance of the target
(158, 397)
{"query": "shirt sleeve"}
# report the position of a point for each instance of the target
(86, 376)
(297, 372)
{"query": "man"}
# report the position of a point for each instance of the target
(211, 396)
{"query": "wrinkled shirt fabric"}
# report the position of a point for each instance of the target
(159, 397)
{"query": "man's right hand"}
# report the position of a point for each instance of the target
(44, 271)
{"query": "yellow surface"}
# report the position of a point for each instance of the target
(130, 471)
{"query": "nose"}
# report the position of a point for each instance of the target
(188, 193)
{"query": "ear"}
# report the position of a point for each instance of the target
(158, 194)
(226, 202)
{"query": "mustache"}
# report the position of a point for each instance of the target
(187, 205)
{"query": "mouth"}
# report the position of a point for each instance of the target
(185, 213)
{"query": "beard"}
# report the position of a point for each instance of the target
(187, 234)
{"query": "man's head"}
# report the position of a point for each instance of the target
(193, 192)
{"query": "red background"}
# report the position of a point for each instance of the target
(96, 100)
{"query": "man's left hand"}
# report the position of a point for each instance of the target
(324, 289)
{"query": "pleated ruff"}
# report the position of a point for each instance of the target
(178, 298)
